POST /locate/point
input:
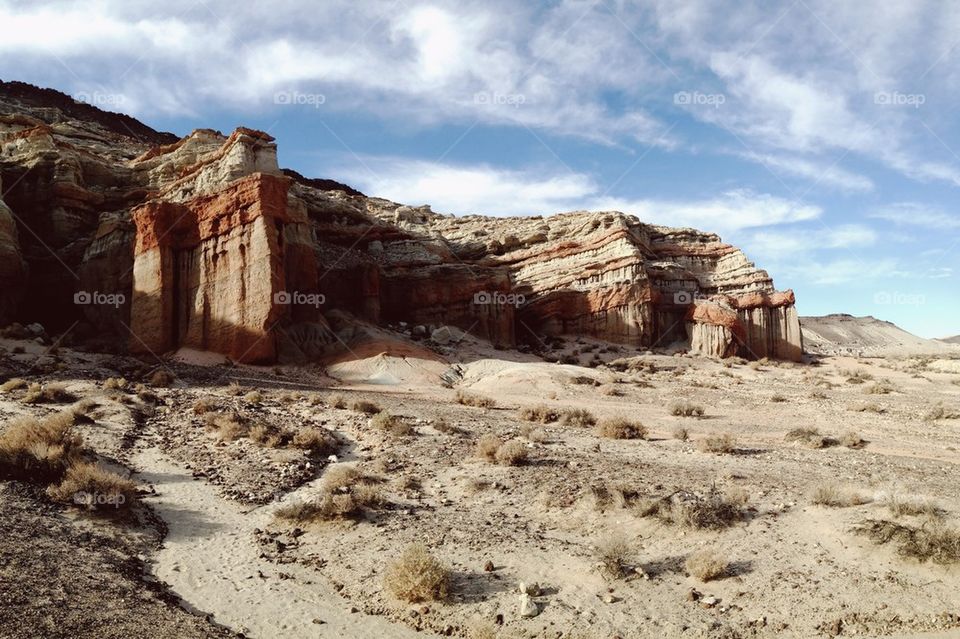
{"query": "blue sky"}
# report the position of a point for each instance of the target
(819, 136)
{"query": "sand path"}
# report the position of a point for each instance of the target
(212, 562)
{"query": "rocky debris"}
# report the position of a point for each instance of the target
(528, 607)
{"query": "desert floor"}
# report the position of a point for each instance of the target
(203, 552)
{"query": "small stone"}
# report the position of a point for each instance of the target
(528, 607)
(608, 598)
(709, 601)
(488, 567)
(319, 621)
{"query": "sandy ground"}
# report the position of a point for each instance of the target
(795, 569)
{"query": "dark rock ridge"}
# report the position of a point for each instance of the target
(110, 228)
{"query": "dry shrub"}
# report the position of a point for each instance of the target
(39, 450)
(253, 397)
(235, 390)
(941, 412)
(147, 395)
(851, 439)
(707, 565)
(933, 540)
(48, 394)
(681, 433)
(577, 417)
(714, 511)
(94, 487)
(818, 395)
(228, 425)
(621, 428)
(346, 492)
(363, 406)
(161, 378)
(316, 441)
(809, 437)
(417, 576)
(477, 401)
(533, 433)
(900, 506)
(13, 384)
(512, 453)
(614, 555)
(686, 409)
(583, 380)
(391, 424)
(338, 401)
(541, 413)
(611, 390)
(837, 496)
(857, 377)
(882, 387)
(778, 399)
(115, 384)
(203, 406)
(719, 444)
(443, 426)
(266, 435)
(487, 446)
(870, 408)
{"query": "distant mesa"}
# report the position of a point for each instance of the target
(205, 242)
(841, 334)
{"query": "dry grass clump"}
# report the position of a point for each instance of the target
(115, 384)
(228, 425)
(363, 406)
(882, 387)
(346, 492)
(681, 433)
(93, 486)
(714, 510)
(837, 496)
(391, 424)
(933, 540)
(161, 378)
(900, 506)
(611, 390)
(941, 412)
(487, 446)
(493, 449)
(778, 399)
(512, 453)
(39, 450)
(203, 406)
(541, 413)
(686, 409)
(870, 408)
(477, 401)
(809, 437)
(533, 433)
(47, 394)
(851, 439)
(13, 384)
(254, 397)
(614, 555)
(317, 441)
(338, 401)
(707, 565)
(577, 417)
(857, 377)
(722, 444)
(621, 428)
(417, 576)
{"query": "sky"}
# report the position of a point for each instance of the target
(818, 136)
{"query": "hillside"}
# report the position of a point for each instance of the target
(841, 334)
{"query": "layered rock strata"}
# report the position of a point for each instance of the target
(205, 242)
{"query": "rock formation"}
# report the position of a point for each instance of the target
(205, 242)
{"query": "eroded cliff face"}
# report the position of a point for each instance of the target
(205, 242)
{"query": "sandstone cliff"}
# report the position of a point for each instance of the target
(205, 242)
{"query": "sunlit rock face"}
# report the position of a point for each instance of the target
(204, 242)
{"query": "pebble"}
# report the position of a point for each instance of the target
(528, 607)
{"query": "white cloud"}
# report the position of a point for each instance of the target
(780, 243)
(917, 214)
(821, 172)
(486, 190)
